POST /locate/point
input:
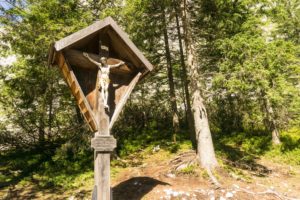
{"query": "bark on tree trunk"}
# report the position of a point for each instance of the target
(175, 118)
(275, 136)
(189, 114)
(205, 148)
(271, 123)
(41, 132)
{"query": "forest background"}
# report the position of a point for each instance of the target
(225, 71)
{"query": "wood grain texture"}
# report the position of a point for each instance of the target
(77, 92)
(102, 160)
(123, 100)
(104, 143)
(77, 59)
(116, 35)
(81, 34)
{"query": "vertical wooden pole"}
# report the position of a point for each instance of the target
(102, 159)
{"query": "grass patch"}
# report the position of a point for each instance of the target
(288, 151)
(189, 170)
(241, 151)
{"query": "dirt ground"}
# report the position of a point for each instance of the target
(154, 178)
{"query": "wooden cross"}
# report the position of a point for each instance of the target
(81, 77)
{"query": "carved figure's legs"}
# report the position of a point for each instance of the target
(106, 95)
(104, 92)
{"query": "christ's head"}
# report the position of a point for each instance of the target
(103, 60)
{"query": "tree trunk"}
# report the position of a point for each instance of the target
(175, 118)
(275, 136)
(189, 114)
(41, 132)
(205, 148)
(271, 123)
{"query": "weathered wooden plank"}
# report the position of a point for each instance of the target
(102, 160)
(102, 175)
(73, 86)
(122, 49)
(84, 111)
(131, 45)
(79, 95)
(93, 29)
(105, 143)
(124, 99)
(75, 37)
(61, 60)
(92, 123)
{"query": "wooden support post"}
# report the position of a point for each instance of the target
(103, 145)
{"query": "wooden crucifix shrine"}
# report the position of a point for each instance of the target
(101, 66)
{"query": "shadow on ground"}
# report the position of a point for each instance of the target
(233, 154)
(18, 165)
(135, 188)
(243, 160)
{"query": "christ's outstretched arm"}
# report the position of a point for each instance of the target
(117, 65)
(90, 59)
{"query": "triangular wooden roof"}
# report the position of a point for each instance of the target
(80, 74)
(126, 48)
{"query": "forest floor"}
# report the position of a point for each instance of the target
(151, 175)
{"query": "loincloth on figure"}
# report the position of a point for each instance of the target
(103, 81)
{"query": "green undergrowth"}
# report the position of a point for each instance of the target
(289, 150)
(189, 170)
(150, 138)
(62, 167)
(69, 166)
(244, 148)
(160, 150)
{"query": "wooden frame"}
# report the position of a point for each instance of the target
(79, 73)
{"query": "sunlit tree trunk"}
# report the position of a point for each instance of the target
(271, 123)
(205, 148)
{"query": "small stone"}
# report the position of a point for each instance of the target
(156, 149)
(229, 195)
(175, 194)
(71, 198)
(171, 175)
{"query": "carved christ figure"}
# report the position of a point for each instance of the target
(103, 75)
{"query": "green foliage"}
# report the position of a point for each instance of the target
(37, 104)
(60, 167)
(250, 69)
(246, 147)
(189, 170)
(288, 151)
